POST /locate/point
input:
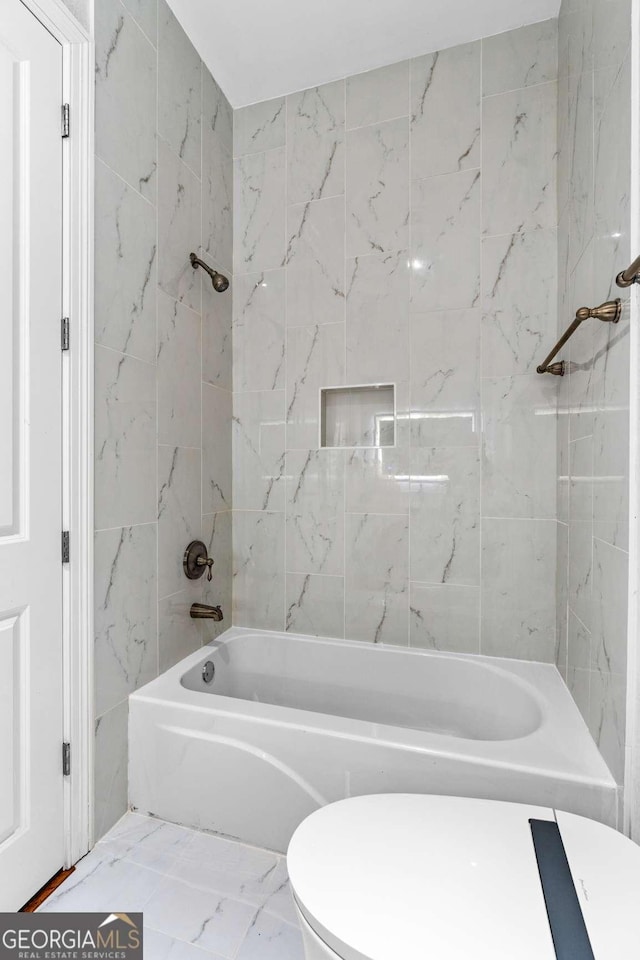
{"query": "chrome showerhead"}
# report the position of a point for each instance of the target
(219, 281)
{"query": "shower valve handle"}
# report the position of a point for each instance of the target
(206, 562)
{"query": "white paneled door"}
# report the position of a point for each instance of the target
(31, 780)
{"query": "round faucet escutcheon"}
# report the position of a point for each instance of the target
(196, 561)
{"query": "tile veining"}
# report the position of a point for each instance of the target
(375, 245)
(201, 895)
(163, 359)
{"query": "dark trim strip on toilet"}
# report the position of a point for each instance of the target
(570, 936)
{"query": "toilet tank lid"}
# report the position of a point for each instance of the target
(414, 876)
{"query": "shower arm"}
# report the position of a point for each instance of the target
(219, 281)
(197, 262)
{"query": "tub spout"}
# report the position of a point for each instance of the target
(201, 611)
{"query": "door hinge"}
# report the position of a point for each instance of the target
(65, 120)
(64, 333)
(66, 759)
(65, 546)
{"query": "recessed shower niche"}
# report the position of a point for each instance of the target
(360, 416)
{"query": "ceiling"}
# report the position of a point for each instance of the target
(258, 49)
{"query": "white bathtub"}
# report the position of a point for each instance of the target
(290, 723)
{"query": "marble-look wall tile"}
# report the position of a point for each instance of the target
(445, 97)
(259, 331)
(519, 447)
(564, 147)
(580, 159)
(445, 511)
(578, 681)
(579, 644)
(518, 160)
(377, 480)
(404, 312)
(217, 533)
(315, 511)
(562, 454)
(179, 362)
(178, 513)
(518, 595)
(611, 476)
(178, 634)
(217, 113)
(217, 407)
(125, 440)
(315, 143)
(562, 605)
(445, 378)
(260, 126)
(519, 300)
(378, 188)
(315, 262)
(217, 174)
(125, 280)
(145, 13)
(611, 175)
(378, 318)
(607, 718)
(126, 630)
(582, 352)
(217, 201)
(575, 36)
(378, 95)
(178, 228)
(444, 616)
(126, 125)
(376, 582)
(217, 335)
(580, 572)
(259, 450)
(610, 600)
(315, 359)
(259, 212)
(520, 58)
(611, 20)
(110, 763)
(157, 367)
(609, 384)
(445, 233)
(258, 569)
(315, 605)
(179, 89)
(580, 561)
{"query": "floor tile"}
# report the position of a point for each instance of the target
(280, 901)
(203, 897)
(105, 885)
(158, 946)
(205, 919)
(271, 939)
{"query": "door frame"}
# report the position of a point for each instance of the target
(77, 418)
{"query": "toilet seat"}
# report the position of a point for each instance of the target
(412, 876)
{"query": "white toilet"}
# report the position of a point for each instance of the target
(414, 877)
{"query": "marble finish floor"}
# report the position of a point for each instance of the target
(203, 897)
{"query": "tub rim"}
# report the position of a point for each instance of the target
(533, 748)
